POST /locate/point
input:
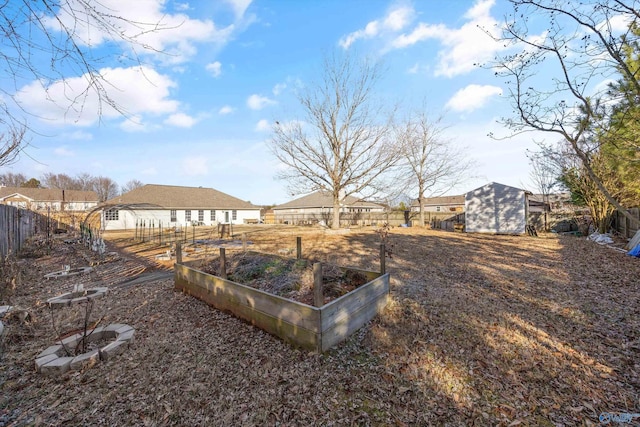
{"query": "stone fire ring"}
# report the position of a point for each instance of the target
(71, 272)
(53, 360)
(70, 298)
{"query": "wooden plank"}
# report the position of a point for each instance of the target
(346, 326)
(345, 307)
(293, 334)
(224, 294)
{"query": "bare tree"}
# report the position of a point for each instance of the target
(131, 185)
(44, 40)
(582, 43)
(60, 180)
(12, 142)
(544, 174)
(342, 146)
(12, 179)
(105, 188)
(431, 164)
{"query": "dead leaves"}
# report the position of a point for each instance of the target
(480, 330)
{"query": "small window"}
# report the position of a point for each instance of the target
(234, 215)
(213, 215)
(201, 215)
(437, 208)
(111, 214)
(187, 216)
(174, 215)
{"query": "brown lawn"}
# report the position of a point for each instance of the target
(480, 330)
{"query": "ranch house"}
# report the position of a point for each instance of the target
(176, 206)
(52, 199)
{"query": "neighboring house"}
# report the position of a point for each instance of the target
(53, 199)
(318, 206)
(171, 205)
(454, 204)
(557, 202)
(497, 209)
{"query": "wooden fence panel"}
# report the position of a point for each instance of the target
(17, 225)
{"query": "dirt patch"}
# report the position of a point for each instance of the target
(286, 277)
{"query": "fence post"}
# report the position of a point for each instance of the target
(223, 263)
(178, 253)
(298, 247)
(318, 297)
(383, 254)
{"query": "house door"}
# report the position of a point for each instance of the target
(226, 217)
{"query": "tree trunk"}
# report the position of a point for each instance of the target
(421, 210)
(335, 223)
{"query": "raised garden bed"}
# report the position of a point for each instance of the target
(301, 324)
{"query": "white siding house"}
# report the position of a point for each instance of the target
(53, 199)
(318, 206)
(497, 209)
(171, 206)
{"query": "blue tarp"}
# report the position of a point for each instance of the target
(635, 251)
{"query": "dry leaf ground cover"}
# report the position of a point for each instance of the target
(480, 330)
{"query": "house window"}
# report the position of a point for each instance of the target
(437, 208)
(234, 215)
(187, 215)
(111, 214)
(174, 215)
(200, 215)
(213, 215)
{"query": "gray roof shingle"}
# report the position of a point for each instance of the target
(323, 199)
(50, 194)
(177, 197)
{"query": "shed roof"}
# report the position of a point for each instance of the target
(177, 197)
(441, 201)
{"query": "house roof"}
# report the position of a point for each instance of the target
(497, 184)
(552, 198)
(49, 194)
(176, 197)
(321, 199)
(441, 201)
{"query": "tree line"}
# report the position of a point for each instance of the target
(104, 187)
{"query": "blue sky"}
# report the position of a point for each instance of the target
(199, 114)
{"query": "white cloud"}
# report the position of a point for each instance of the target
(182, 6)
(263, 126)
(420, 33)
(137, 91)
(134, 124)
(63, 151)
(461, 48)
(277, 89)
(227, 109)
(215, 68)
(239, 6)
(394, 21)
(171, 37)
(195, 165)
(79, 136)
(180, 120)
(257, 102)
(472, 97)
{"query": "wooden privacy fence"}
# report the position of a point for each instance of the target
(375, 219)
(16, 226)
(623, 225)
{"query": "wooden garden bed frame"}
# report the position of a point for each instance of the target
(312, 328)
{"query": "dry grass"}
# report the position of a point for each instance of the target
(481, 330)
